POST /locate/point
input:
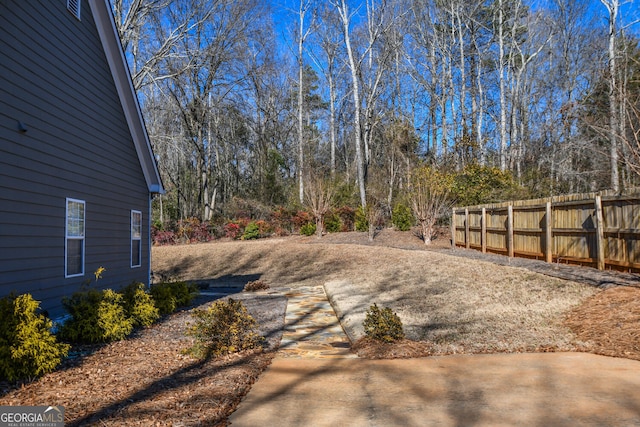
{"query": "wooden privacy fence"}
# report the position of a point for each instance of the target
(589, 229)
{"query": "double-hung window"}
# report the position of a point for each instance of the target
(136, 238)
(74, 238)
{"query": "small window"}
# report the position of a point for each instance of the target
(74, 7)
(136, 238)
(74, 238)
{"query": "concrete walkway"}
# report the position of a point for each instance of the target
(315, 381)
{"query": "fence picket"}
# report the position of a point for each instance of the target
(594, 229)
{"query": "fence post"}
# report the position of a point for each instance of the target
(467, 243)
(510, 250)
(483, 233)
(599, 233)
(453, 228)
(548, 223)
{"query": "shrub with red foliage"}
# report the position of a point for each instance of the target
(264, 228)
(232, 230)
(347, 218)
(192, 230)
(161, 237)
(302, 218)
(281, 221)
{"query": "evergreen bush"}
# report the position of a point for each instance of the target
(28, 349)
(224, 327)
(169, 296)
(309, 229)
(332, 223)
(139, 305)
(251, 231)
(402, 218)
(383, 324)
(96, 316)
(361, 220)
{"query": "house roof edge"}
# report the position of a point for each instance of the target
(105, 24)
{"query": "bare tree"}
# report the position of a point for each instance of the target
(151, 32)
(330, 45)
(346, 16)
(613, 7)
(430, 199)
(319, 195)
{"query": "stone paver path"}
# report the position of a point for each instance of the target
(312, 329)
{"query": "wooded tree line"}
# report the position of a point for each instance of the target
(253, 100)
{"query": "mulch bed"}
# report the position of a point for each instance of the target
(610, 321)
(148, 380)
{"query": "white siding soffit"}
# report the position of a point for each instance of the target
(105, 24)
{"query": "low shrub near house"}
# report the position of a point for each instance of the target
(96, 316)
(224, 327)
(169, 296)
(139, 305)
(383, 324)
(28, 349)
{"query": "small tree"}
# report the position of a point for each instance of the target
(374, 213)
(430, 199)
(319, 196)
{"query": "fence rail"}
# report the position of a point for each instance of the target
(590, 229)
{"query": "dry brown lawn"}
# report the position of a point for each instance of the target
(455, 305)
(448, 305)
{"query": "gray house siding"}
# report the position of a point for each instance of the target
(57, 82)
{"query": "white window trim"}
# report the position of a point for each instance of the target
(73, 6)
(133, 238)
(67, 237)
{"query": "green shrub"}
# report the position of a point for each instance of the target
(27, 347)
(96, 316)
(169, 296)
(164, 299)
(251, 231)
(332, 223)
(361, 220)
(383, 324)
(224, 327)
(184, 292)
(309, 229)
(139, 305)
(402, 218)
(112, 318)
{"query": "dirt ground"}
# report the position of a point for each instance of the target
(148, 380)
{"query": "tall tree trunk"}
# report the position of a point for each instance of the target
(345, 18)
(612, 7)
(503, 90)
